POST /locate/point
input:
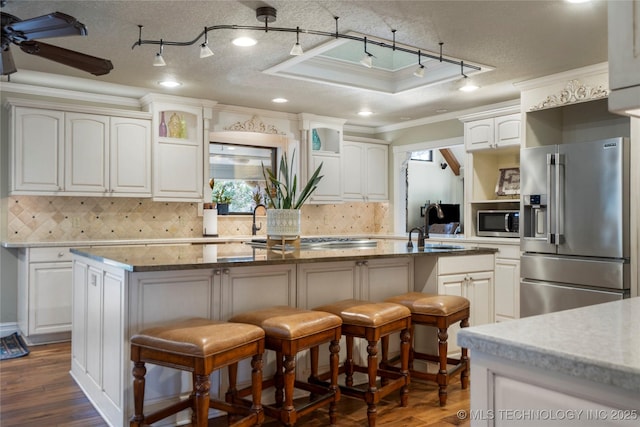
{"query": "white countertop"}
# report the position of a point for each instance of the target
(600, 343)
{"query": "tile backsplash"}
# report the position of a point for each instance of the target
(61, 218)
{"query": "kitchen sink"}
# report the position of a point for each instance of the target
(321, 243)
(435, 247)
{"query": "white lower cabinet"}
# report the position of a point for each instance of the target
(471, 277)
(507, 281)
(44, 294)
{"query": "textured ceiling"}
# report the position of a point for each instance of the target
(520, 39)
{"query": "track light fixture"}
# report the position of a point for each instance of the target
(367, 59)
(467, 85)
(419, 72)
(205, 51)
(159, 60)
(267, 15)
(296, 50)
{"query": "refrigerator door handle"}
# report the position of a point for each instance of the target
(559, 199)
(550, 224)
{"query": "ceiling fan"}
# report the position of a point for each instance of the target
(24, 34)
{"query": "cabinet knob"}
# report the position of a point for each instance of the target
(216, 272)
(60, 254)
(365, 263)
(225, 271)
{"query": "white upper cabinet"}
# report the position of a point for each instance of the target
(493, 132)
(365, 170)
(86, 153)
(624, 57)
(37, 150)
(321, 143)
(179, 129)
(78, 153)
(130, 155)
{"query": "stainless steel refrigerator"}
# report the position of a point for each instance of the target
(574, 225)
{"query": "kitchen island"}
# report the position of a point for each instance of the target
(117, 291)
(576, 367)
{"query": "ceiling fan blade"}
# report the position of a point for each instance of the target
(55, 24)
(6, 63)
(91, 64)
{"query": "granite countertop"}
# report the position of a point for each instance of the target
(193, 256)
(600, 343)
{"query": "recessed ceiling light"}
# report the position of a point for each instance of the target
(169, 83)
(244, 41)
(279, 100)
(577, 1)
(365, 113)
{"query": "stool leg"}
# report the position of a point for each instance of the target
(232, 391)
(314, 353)
(289, 381)
(464, 374)
(139, 371)
(201, 400)
(372, 370)
(256, 388)
(405, 347)
(411, 350)
(384, 343)
(334, 366)
(348, 363)
(278, 380)
(443, 377)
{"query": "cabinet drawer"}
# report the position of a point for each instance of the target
(465, 264)
(504, 251)
(53, 254)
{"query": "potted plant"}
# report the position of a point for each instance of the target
(284, 202)
(221, 196)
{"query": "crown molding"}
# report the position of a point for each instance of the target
(577, 73)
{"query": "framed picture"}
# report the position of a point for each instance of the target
(508, 182)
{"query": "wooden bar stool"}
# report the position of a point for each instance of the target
(289, 330)
(440, 311)
(200, 346)
(374, 322)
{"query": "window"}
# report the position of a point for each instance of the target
(237, 173)
(423, 155)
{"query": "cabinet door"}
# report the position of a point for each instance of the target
(130, 157)
(386, 278)
(37, 159)
(353, 167)
(377, 173)
(507, 130)
(507, 300)
(624, 44)
(49, 297)
(479, 134)
(327, 282)
(479, 292)
(86, 153)
(330, 187)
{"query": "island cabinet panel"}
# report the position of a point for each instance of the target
(100, 354)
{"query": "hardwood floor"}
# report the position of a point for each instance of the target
(37, 390)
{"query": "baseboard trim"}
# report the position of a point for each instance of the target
(8, 328)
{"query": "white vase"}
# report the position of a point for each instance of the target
(283, 223)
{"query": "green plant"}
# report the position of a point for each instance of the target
(281, 194)
(220, 193)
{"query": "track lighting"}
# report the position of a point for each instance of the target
(367, 60)
(296, 50)
(205, 52)
(159, 60)
(419, 72)
(268, 14)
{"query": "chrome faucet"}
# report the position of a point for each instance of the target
(254, 227)
(420, 238)
(438, 209)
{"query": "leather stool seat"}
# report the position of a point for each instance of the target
(289, 330)
(440, 311)
(374, 321)
(201, 346)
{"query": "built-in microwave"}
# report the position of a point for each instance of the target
(498, 223)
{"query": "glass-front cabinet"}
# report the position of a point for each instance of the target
(321, 144)
(179, 127)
